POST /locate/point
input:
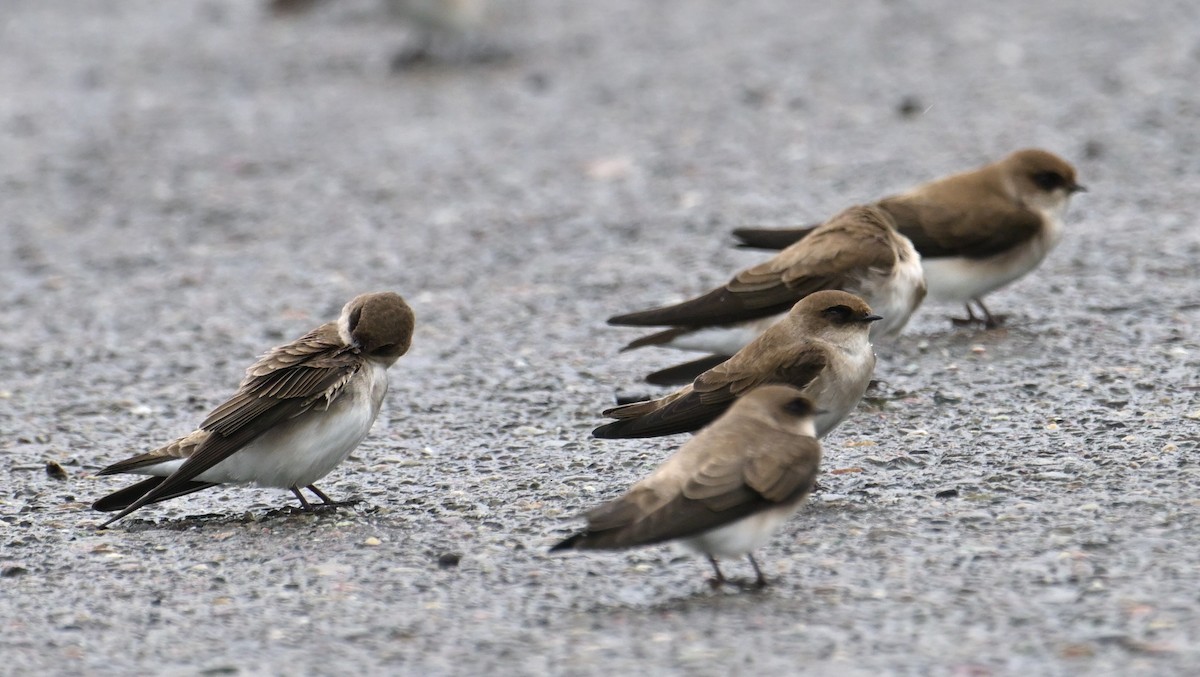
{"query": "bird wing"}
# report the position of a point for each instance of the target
(680, 412)
(940, 226)
(835, 256)
(774, 362)
(695, 406)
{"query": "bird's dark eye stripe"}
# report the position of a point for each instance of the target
(838, 312)
(1049, 180)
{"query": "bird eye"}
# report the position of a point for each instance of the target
(798, 406)
(839, 313)
(1048, 181)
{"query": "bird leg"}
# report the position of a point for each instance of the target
(760, 581)
(304, 504)
(718, 580)
(987, 320)
(990, 321)
(320, 494)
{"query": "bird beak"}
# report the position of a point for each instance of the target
(1076, 188)
(871, 318)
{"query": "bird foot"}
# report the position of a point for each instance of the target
(750, 584)
(330, 506)
(993, 322)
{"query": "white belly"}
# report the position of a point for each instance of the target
(742, 536)
(302, 450)
(895, 297)
(840, 387)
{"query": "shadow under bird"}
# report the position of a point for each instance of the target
(822, 346)
(976, 231)
(726, 491)
(858, 251)
(299, 412)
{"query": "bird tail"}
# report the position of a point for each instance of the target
(569, 543)
(683, 374)
(123, 498)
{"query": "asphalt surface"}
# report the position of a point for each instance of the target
(185, 184)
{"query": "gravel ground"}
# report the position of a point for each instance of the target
(188, 183)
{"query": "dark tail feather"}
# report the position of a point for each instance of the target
(658, 338)
(569, 543)
(636, 428)
(683, 374)
(123, 498)
(770, 238)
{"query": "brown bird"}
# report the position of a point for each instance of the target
(821, 346)
(726, 491)
(300, 411)
(976, 231)
(857, 251)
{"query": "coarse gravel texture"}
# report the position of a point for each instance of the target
(185, 184)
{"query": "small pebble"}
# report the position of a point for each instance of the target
(55, 471)
(372, 541)
(449, 560)
(910, 106)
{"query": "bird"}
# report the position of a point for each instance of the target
(298, 413)
(822, 346)
(724, 492)
(976, 231)
(858, 251)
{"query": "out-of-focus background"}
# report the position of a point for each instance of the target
(184, 184)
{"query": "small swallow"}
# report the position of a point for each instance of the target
(976, 231)
(726, 491)
(822, 346)
(300, 411)
(858, 251)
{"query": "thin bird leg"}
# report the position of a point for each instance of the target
(304, 504)
(320, 494)
(718, 580)
(990, 321)
(760, 581)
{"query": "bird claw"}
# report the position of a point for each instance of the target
(332, 506)
(745, 584)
